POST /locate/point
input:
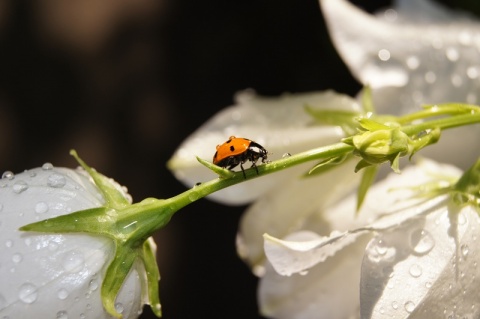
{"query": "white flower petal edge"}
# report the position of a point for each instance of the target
(55, 275)
(280, 124)
(424, 268)
(328, 265)
(414, 53)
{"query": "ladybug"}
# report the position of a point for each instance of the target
(238, 150)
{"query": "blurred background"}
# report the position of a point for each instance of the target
(125, 81)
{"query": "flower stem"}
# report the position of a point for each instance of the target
(443, 123)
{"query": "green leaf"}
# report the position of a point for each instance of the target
(362, 164)
(368, 176)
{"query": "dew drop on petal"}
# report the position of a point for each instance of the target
(286, 155)
(452, 54)
(47, 166)
(119, 307)
(73, 262)
(421, 241)
(415, 271)
(56, 180)
(395, 305)
(413, 62)
(430, 77)
(384, 55)
(17, 258)
(428, 284)
(19, 187)
(62, 294)
(9, 243)
(41, 207)
(8, 175)
(62, 315)
(464, 248)
(28, 293)
(409, 306)
(93, 285)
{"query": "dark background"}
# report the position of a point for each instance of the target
(124, 82)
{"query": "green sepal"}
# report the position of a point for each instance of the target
(467, 188)
(116, 273)
(423, 141)
(368, 176)
(222, 172)
(347, 120)
(371, 125)
(114, 198)
(362, 164)
(326, 165)
(153, 277)
(93, 220)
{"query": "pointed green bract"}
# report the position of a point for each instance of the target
(467, 189)
(153, 277)
(369, 174)
(116, 273)
(222, 172)
(113, 196)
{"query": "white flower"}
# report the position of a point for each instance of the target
(56, 275)
(415, 53)
(279, 124)
(411, 256)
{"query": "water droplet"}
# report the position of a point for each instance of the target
(73, 261)
(409, 306)
(41, 208)
(430, 77)
(473, 72)
(193, 196)
(428, 284)
(421, 241)
(390, 15)
(9, 243)
(62, 294)
(119, 307)
(384, 55)
(47, 166)
(380, 247)
(62, 315)
(16, 258)
(20, 186)
(457, 80)
(464, 248)
(286, 155)
(28, 241)
(56, 180)
(415, 271)
(28, 293)
(395, 305)
(413, 62)
(8, 175)
(93, 285)
(452, 54)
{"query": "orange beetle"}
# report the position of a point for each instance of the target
(237, 151)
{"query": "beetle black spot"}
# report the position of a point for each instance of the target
(232, 148)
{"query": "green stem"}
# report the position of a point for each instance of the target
(448, 109)
(443, 123)
(199, 191)
(204, 189)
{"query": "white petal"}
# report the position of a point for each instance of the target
(54, 275)
(326, 291)
(289, 207)
(426, 55)
(383, 209)
(430, 269)
(279, 124)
